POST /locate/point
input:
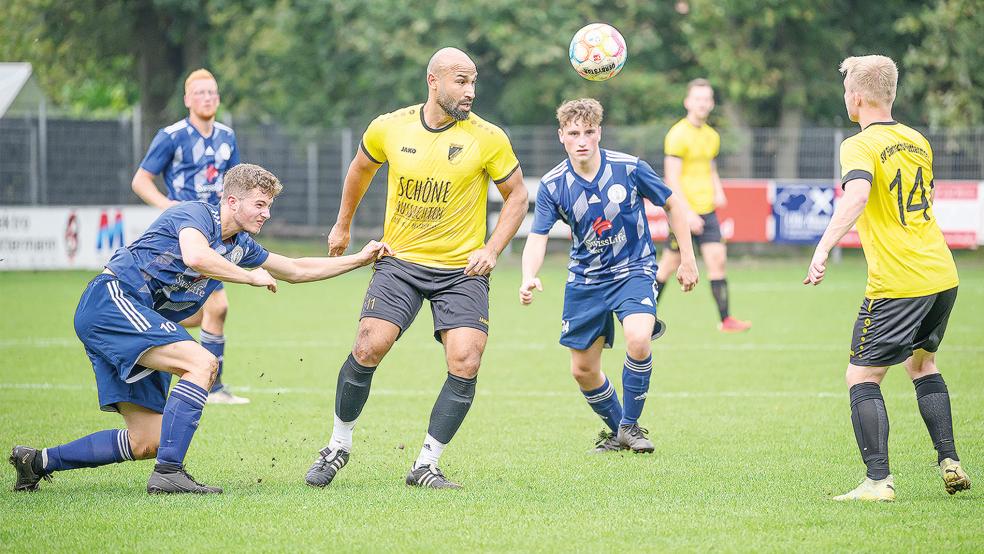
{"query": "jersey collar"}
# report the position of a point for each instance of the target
(431, 129)
(601, 169)
(199, 133)
(881, 123)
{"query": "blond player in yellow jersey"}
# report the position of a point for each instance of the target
(887, 176)
(441, 159)
(689, 168)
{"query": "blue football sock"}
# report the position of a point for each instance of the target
(98, 449)
(216, 345)
(181, 416)
(635, 386)
(604, 401)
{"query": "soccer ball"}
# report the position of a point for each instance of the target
(598, 52)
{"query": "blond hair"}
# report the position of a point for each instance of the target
(586, 110)
(698, 83)
(196, 75)
(245, 178)
(874, 77)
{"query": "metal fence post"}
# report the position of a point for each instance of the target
(136, 123)
(33, 162)
(43, 144)
(312, 183)
(838, 139)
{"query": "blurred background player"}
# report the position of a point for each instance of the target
(441, 157)
(193, 155)
(127, 321)
(599, 194)
(689, 167)
(887, 177)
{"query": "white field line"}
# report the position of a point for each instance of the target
(61, 342)
(842, 395)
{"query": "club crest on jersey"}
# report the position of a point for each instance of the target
(616, 193)
(453, 151)
(236, 255)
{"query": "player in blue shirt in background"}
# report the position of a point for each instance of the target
(127, 320)
(193, 156)
(599, 194)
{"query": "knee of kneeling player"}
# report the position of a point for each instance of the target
(204, 368)
(143, 448)
(218, 308)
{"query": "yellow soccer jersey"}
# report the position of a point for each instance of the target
(697, 147)
(906, 253)
(438, 183)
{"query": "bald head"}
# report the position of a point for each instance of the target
(448, 60)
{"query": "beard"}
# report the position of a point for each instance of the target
(450, 107)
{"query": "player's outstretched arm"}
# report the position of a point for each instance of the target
(360, 174)
(676, 210)
(304, 270)
(144, 187)
(672, 168)
(198, 255)
(533, 254)
(482, 261)
(846, 213)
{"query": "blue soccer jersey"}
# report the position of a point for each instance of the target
(193, 166)
(607, 216)
(152, 268)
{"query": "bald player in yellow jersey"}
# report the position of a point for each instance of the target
(887, 176)
(689, 168)
(441, 159)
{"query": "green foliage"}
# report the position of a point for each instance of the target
(944, 63)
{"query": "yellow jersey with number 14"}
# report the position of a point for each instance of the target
(906, 253)
(438, 183)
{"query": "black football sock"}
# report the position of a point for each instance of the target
(934, 405)
(451, 407)
(352, 390)
(870, 420)
(719, 288)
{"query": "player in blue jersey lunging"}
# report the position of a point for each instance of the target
(127, 320)
(193, 155)
(599, 193)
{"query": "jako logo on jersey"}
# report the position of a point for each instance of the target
(408, 150)
(601, 225)
(111, 234)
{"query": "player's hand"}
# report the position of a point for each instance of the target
(373, 251)
(338, 239)
(526, 290)
(696, 223)
(720, 199)
(818, 268)
(260, 278)
(687, 275)
(481, 262)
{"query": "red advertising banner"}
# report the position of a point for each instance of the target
(746, 218)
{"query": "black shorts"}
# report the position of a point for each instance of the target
(889, 329)
(711, 233)
(398, 289)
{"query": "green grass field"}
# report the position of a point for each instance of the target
(753, 432)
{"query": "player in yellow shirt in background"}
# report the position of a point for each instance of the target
(887, 176)
(689, 168)
(441, 158)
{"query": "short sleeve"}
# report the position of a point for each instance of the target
(253, 253)
(160, 153)
(717, 144)
(373, 142)
(675, 144)
(195, 215)
(234, 157)
(501, 161)
(856, 162)
(649, 184)
(545, 214)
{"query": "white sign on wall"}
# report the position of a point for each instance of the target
(63, 237)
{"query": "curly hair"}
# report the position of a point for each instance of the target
(244, 178)
(585, 110)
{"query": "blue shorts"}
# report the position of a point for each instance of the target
(588, 309)
(116, 329)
